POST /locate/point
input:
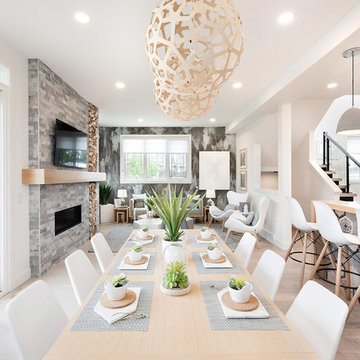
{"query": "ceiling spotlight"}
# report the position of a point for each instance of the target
(120, 85)
(285, 18)
(82, 18)
(237, 85)
(140, 120)
(212, 120)
(332, 85)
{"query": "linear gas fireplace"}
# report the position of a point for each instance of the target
(66, 219)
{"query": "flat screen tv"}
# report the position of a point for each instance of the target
(70, 146)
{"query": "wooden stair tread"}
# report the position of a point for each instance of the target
(323, 166)
(330, 172)
(336, 179)
(348, 195)
(342, 186)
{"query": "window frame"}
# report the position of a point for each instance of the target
(166, 180)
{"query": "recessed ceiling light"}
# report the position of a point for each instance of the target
(120, 85)
(237, 85)
(212, 120)
(82, 18)
(332, 85)
(140, 120)
(285, 18)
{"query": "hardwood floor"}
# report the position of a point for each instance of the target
(58, 280)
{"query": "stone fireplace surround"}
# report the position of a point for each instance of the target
(50, 98)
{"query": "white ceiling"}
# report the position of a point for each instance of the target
(111, 48)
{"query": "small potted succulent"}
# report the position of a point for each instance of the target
(240, 291)
(143, 233)
(136, 253)
(205, 232)
(175, 281)
(116, 288)
(214, 252)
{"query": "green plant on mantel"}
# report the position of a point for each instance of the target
(171, 210)
(104, 193)
(175, 276)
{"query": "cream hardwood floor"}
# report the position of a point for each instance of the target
(58, 280)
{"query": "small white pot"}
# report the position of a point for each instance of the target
(241, 296)
(166, 243)
(134, 255)
(215, 254)
(143, 234)
(205, 234)
(115, 293)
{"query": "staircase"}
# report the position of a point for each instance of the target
(326, 166)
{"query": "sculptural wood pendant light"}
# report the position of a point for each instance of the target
(349, 123)
(193, 47)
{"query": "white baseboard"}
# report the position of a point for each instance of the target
(19, 279)
(270, 237)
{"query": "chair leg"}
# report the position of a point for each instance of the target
(222, 225)
(348, 279)
(257, 239)
(292, 244)
(338, 272)
(354, 300)
(211, 220)
(303, 261)
(318, 262)
(227, 235)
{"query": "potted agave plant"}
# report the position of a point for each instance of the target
(214, 252)
(136, 253)
(116, 288)
(172, 211)
(240, 291)
(143, 233)
(205, 232)
(176, 282)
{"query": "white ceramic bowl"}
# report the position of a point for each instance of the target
(134, 255)
(115, 293)
(214, 254)
(205, 234)
(241, 296)
(142, 234)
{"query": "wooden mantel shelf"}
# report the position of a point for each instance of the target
(52, 176)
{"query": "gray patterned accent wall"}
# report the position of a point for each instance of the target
(203, 139)
(51, 98)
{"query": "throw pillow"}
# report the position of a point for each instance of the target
(255, 220)
(139, 203)
(250, 218)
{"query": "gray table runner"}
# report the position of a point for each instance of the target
(218, 321)
(149, 271)
(88, 320)
(201, 270)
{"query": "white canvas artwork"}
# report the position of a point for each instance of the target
(214, 170)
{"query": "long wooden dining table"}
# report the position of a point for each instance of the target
(179, 327)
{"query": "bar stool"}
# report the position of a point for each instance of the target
(330, 230)
(305, 232)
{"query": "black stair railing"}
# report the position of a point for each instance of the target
(327, 139)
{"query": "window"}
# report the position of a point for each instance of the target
(155, 158)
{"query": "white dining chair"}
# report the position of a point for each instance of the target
(102, 250)
(233, 224)
(319, 316)
(245, 248)
(269, 271)
(36, 319)
(82, 274)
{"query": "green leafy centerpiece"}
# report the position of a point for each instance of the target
(116, 288)
(240, 291)
(214, 252)
(176, 282)
(205, 232)
(143, 233)
(136, 253)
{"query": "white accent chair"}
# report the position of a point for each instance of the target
(245, 249)
(82, 274)
(102, 250)
(319, 316)
(234, 199)
(330, 230)
(233, 224)
(269, 271)
(36, 319)
(304, 231)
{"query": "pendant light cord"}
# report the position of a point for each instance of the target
(352, 79)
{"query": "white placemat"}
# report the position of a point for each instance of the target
(113, 315)
(259, 313)
(207, 265)
(124, 266)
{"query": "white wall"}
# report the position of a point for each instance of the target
(17, 239)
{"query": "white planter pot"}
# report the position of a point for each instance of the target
(205, 234)
(214, 254)
(143, 234)
(166, 243)
(115, 293)
(134, 255)
(106, 213)
(241, 296)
